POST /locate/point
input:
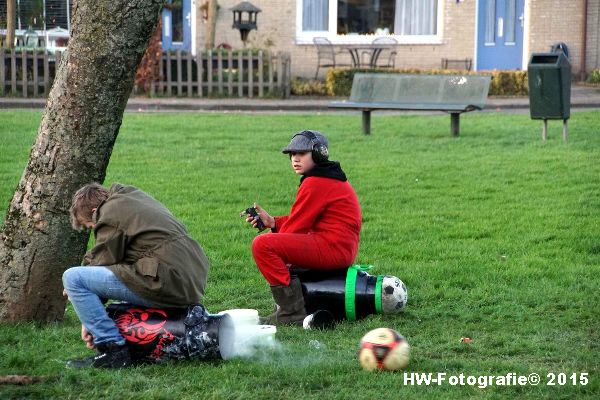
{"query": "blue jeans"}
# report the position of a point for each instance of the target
(85, 287)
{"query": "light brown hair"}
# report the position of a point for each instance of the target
(85, 199)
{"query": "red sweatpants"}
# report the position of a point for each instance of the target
(272, 253)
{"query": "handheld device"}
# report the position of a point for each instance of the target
(251, 211)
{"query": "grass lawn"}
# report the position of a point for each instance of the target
(495, 233)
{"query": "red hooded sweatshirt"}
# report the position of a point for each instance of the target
(328, 207)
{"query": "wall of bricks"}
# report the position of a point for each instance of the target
(593, 36)
(276, 25)
(552, 21)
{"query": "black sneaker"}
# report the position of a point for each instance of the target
(110, 355)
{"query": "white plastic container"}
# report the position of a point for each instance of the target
(242, 316)
(249, 336)
(264, 334)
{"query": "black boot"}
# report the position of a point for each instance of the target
(290, 302)
(110, 355)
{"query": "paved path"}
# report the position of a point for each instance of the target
(582, 97)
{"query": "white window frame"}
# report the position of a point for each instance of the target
(193, 22)
(21, 31)
(307, 37)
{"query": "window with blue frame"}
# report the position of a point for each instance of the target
(177, 25)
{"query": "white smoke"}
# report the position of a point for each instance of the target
(253, 339)
(249, 338)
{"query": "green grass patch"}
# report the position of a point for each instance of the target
(496, 234)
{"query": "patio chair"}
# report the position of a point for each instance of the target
(386, 57)
(56, 39)
(30, 39)
(326, 53)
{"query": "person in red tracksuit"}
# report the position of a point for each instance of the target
(321, 231)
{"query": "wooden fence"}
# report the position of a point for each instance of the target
(225, 73)
(29, 73)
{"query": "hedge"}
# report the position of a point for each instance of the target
(594, 76)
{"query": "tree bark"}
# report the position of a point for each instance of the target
(211, 24)
(73, 146)
(11, 22)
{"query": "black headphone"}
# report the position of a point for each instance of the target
(320, 153)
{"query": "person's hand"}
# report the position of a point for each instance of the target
(267, 220)
(87, 338)
(65, 294)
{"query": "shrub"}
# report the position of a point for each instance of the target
(594, 76)
(509, 83)
(504, 83)
(301, 87)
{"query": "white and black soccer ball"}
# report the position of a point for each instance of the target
(394, 295)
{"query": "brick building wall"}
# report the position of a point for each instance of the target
(593, 36)
(276, 26)
(457, 39)
(277, 32)
(553, 21)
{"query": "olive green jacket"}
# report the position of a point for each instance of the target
(148, 249)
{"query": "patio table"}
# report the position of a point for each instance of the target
(374, 49)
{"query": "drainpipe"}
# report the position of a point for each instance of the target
(582, 74)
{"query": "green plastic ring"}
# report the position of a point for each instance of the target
(350, 294)
(378, 294)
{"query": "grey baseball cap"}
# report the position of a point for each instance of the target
(302, 141)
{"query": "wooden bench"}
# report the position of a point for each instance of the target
(462, 63)
(454, 94)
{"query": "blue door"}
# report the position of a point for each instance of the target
(177, 25)
(500, 34)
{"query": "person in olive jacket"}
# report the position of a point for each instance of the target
(142, 255)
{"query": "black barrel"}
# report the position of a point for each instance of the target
(348, 293)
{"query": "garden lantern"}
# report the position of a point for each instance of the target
(244, 18)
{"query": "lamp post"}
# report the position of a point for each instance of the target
(244, 18)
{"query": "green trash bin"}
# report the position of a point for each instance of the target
(549, 76)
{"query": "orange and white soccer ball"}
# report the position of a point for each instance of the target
(383, 348)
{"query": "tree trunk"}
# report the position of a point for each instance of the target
(211, 24)
(74, 143)
(11, 22)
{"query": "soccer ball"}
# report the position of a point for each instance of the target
(383, 348)
(394, 295)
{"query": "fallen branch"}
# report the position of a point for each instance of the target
(20, 379)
